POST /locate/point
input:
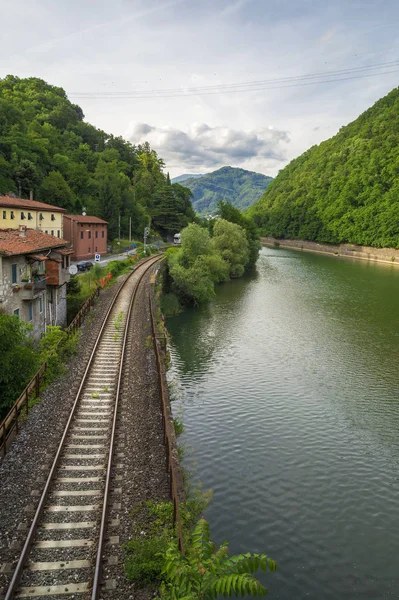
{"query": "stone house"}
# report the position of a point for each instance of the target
(33, 277)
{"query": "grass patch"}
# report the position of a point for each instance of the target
(178, 423)
(118, 320)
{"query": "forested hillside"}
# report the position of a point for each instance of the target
(241, 188)
(47, 147)
(344, 190)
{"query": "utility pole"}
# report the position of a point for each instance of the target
(130, 229)
(119, 229)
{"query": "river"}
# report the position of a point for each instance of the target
(289, 385)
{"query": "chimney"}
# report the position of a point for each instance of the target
(31, 195)
(22, 231)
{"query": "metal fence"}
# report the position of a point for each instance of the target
(176, 480)
(32, 390)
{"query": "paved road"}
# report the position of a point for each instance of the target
(105, 260)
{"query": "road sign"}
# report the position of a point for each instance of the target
(146, 231)
(97, 257)
(73, 269)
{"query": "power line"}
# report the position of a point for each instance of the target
(294, 81)
(186, 93)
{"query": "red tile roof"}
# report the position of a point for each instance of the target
(85, 219)
(12, 243)
(8, 201)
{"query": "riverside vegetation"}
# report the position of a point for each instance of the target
(153, 558)
(344, 190)
(209, 256)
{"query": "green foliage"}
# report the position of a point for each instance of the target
(55, 187)
(47, 148)
(230, 213)
(145, 551)
(19, 361)
(118, 320)
(241, 188)
(344, 190)
(231, 242)
(202, 261)
(178, 424)
(55, 348)
(206, 572)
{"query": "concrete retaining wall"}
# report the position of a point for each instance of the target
(385, 255)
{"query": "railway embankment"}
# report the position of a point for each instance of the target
(382, 255)
(139, 468)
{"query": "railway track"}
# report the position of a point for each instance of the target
(62, 554)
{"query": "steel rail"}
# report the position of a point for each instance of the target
(104, 516)
(29, 539)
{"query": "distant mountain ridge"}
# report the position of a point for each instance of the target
(181, 178)
(240, 187)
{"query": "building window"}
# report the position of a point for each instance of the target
(58, 233)
(52, 217)
(4, 214)
(46, 231)
(41, 304)
(89, 250)
(52, 232)
(82, 235)
(95, 249)
(22, 216)
(16, 312)
(41, 217)
(89, 235)
(102, 234)
(12, 214)
(96, 234)
(14, 273)
(30, 311)
(29, 217)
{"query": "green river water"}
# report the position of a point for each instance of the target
(289, 385)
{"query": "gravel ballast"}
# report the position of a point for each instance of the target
(139, 465)
(26, 464)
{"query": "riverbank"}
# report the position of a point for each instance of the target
(382, 255)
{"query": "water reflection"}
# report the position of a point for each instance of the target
(290, 396)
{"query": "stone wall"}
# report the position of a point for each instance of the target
(385, 255)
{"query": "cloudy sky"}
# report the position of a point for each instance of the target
(180, 73)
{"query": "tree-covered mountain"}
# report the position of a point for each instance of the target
(344, 190)
(237, 186)
(46, 147)
(181, 178)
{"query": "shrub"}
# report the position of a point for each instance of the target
(19, 361)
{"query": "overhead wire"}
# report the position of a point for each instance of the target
(248, 86)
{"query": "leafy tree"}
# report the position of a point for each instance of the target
(230, 213)
(55, 190)
(231, 242)
(19, 361)
(195, 242)
(206, 572)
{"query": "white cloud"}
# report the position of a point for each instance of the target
(205, 147)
